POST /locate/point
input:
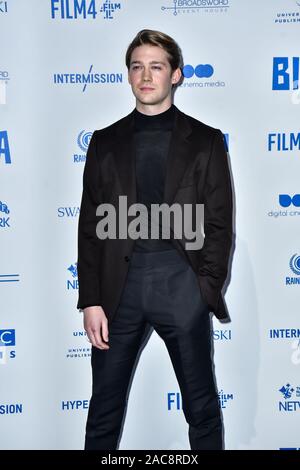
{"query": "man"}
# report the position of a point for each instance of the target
(155, 155)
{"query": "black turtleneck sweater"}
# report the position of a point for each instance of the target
(152, 135)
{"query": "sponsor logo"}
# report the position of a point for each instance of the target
(289, 395)
(83, 9)
(85, 79)
(290, 16)
(200, 76)
(4, 220)
(178, 7)
(83, 141)
(7, 343)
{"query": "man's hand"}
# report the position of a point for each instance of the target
(95, 325)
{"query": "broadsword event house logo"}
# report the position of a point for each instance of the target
(4, 79)
(3, 7)
(178, 7)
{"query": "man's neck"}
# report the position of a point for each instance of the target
(152, 110)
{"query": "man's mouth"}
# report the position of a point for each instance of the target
(146, 88)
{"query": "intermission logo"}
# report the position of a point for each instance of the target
(83, 9)
(174, 400)
(293, 334)
(4, 78)
(295, 268)
(200, 76)
(85, 79)
(178, 7)
(285, 73)
(79, 351)
(73, 284)
(7, 345)
(11, 409)
(83, 141)
(4, 218)
(290, 204)
(289, 398)
(3, 7)
(4, 148)
(289, 16)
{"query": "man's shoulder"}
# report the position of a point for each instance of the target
(113, 127)
(199, 126)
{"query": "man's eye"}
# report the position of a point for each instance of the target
(157, 67)
(135, 67)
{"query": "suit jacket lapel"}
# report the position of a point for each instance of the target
(177, 160)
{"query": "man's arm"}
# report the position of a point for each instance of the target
(88, 261)
(88, 243)
(214, 255)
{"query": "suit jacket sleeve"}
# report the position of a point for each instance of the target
(214, 255)
(88, 243)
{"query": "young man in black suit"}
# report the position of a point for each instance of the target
(155, 155)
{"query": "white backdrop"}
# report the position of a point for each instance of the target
(47, 49)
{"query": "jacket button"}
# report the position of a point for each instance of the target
(126, 258)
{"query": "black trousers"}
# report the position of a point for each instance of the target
(162, 291)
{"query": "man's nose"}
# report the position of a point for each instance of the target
(147, 75)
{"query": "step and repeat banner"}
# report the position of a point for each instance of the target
(63, 75)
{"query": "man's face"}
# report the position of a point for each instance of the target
(151, 77)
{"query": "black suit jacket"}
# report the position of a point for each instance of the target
(197, 172)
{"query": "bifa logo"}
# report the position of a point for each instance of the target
(83, 9)
(285, 73)
(4, 147)
(289, 394)
(74, 283)
(7, 341)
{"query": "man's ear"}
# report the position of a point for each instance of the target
(176, 76)
(128, 78)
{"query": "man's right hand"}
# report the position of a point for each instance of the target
(96, 326)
